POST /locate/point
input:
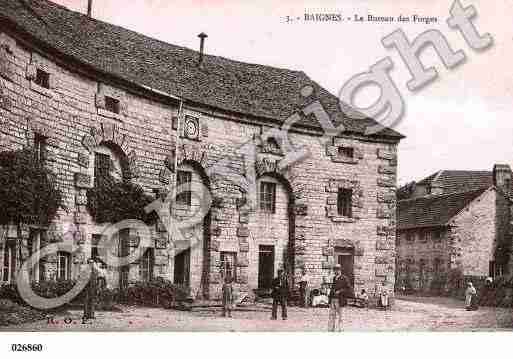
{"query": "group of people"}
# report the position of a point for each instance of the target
(340, 290)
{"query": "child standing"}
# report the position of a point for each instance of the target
(228, 300)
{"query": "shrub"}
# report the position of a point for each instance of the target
(113, 200)
(28, 190)
(45, 289)
(159, 292)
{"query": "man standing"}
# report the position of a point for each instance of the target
(228, 297)
(304, 290)
(280, 293)
(337, 299)
(91, 291)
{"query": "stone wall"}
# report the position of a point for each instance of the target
(468, 243)
(423, 255)
(475, 235)
(147, 134)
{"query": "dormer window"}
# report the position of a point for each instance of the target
(347, 152)
(112, 105)
(42, 79)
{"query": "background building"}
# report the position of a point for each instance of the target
(453, 220)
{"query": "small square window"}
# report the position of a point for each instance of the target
(268, 197)
(112, 104)
(410, 236)
(42, 79)
(345, 202)
(347, 152)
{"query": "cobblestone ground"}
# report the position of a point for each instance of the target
(408, 314)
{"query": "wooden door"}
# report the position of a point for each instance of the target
(265, 267)
(345, 257)
(182, 267)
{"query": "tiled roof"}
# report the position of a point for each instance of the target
(262, 91)
(434, 210)
(459, 181)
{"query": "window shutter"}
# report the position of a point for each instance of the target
(204, 129)
(100, 100)
(5, 64)
(123, 106)
(53, 81)
(31, 72)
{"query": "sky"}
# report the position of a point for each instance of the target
(460, 121)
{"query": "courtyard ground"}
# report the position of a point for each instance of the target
(408, 314)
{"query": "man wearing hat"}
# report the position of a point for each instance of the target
(280, 293)
(337, 299)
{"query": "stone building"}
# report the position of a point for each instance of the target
(89, 94)
(453, 220)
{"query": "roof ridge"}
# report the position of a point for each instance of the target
(436, 196)
(206, 55)
(437, 176)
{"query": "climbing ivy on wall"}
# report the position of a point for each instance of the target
(28, 190)
(112, 200)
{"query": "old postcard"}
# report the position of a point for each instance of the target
(221, 166)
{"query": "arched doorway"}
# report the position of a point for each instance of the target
(191, 260)
(110, 161)
(274, 235)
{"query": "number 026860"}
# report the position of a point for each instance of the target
(26, 347)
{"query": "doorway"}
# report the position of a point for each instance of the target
(124, 251)
(345, 257)
(182, 267)
(265, 266)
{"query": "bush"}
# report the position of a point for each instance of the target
(10, 292)
(28, 190)
(159, 292)
(497, 294)
(113, 200)
(45, 289)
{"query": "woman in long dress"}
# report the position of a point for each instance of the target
(469, 293)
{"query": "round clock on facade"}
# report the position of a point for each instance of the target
(191, 129)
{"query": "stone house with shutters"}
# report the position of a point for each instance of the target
(97, 98)
(453, 220)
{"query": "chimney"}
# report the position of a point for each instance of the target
(89, 8)
(202, 37)
(502, 176)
